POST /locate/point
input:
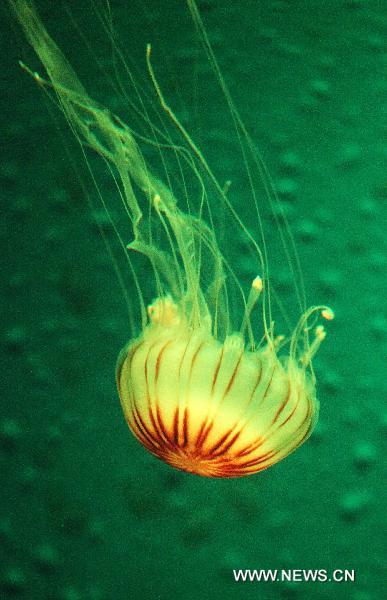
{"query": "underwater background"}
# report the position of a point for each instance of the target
(86, 512)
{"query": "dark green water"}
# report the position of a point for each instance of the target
(86, 513)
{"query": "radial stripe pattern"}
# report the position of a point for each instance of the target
(214, 409)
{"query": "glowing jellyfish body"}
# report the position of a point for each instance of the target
(212, 408)
(197, 392)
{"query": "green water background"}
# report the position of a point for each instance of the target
(86, 513)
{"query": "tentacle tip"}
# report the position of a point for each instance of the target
(257, 284)
(320, 333)
(328, 314)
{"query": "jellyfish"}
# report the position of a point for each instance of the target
(206, 387)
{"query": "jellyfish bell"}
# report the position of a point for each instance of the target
(200, 392)
(213, 408)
